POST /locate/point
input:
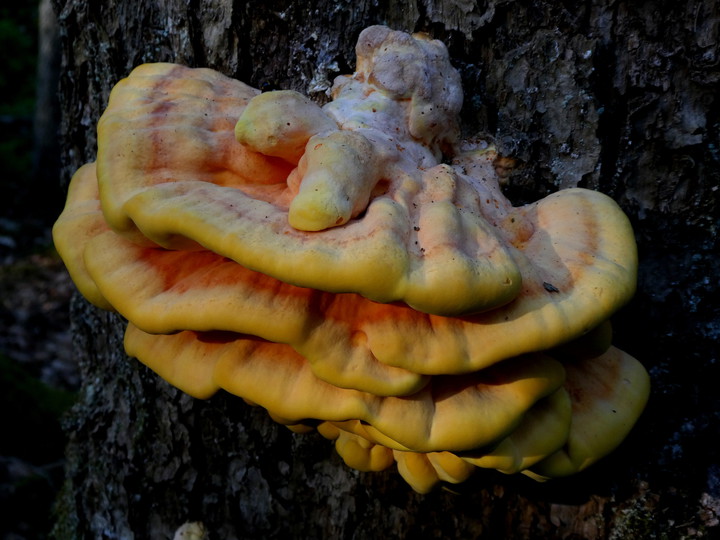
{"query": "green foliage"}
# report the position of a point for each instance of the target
(18, 61)
(30, 422)
(18, 77)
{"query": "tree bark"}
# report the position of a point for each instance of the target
(617, 96)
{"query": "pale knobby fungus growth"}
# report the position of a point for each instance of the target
(326, 264)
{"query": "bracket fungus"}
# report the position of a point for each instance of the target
(356, 268)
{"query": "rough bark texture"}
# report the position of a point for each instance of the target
(619, 96)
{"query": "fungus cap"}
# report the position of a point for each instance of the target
(80, 221)
(449, 413)
(171, 172)
(608, 394)
(201, 290)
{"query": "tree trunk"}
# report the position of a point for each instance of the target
(46, 154)
(617, 96)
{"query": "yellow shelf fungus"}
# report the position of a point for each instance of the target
(327, 264)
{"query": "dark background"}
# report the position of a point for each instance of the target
(38, 377)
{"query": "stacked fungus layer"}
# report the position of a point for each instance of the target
(356, 268)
